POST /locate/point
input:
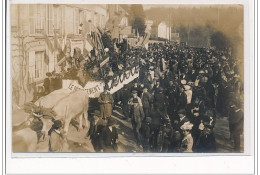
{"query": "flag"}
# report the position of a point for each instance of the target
(56, 42)
(48, 43)
(46, 58)
(86, 27)
(88, 44)
(146, 38)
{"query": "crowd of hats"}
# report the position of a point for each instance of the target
(211, 75)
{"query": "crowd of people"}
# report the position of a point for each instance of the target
(174, 102)
(180, 91)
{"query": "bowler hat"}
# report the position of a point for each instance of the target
(160, 89)
(182, 111)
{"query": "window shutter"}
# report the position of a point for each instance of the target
(76, 21)
(32, 19)
(50, 20)
(59, 16)
(43, 17)
(31, 66)
(69, 17)
(45, 64)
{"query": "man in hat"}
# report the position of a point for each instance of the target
(125, 97)
(156, 86)
(136, 87)
(206, 140)
(146, 98)
(236, 123)
(109, 137)
(46, 83)
(137, 116)
(160, 100)
(134, 95)
(182, 117)
(181, 102)
(172, 97)
(95, 130)
(145, 132)
(106, 103)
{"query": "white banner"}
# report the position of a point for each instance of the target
(95, 88)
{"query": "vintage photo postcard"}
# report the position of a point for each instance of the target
(127, 78)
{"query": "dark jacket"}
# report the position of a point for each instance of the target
(108, 141)
(181, 100)
(146, 99)
(160, 100)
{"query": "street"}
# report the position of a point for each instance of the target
(78, 143)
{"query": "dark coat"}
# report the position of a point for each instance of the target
(181, 101)
(160, 100)
(145, 131)
(236, 121)
(146, 100)
(108, 141)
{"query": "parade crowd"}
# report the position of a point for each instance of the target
(174, 103)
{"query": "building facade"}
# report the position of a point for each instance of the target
(38, 32)
(164, 31)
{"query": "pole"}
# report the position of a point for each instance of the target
(218, 15)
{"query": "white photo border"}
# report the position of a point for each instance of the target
(243, 163)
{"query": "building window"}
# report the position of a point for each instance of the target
(37, 18)
(69, 20)
(50, 19)
(31, 19)
(38, 65)
(57, 19)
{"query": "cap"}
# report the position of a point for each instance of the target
(134, 91)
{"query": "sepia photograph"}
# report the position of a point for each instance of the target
(127, 78)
